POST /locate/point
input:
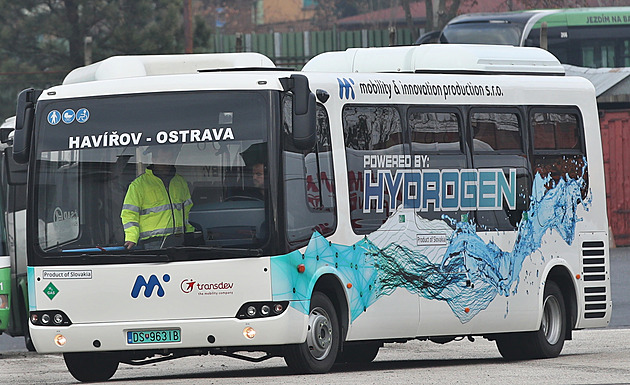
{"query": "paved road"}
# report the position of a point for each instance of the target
(599, 356)
(620, 286)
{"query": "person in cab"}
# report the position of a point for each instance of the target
(157, 202)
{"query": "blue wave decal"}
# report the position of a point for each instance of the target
(470, 274)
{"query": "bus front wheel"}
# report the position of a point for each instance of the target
(91, 367)
(548, 340)
(318, 353)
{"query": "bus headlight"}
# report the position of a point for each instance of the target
(60, 340)
(249, 332)
(261, 309)
(57, 319)
(49, 318)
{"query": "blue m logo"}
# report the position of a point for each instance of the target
(149, 286)
(345, 88)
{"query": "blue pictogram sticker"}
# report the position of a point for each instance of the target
(68, 116)
(83, 115)
(54, 117)
(345, 88)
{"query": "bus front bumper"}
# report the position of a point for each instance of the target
(287, 328)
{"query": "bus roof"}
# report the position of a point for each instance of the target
(566, 16)
(439, 58)
(120, 67)
(520, 17)
(573, 17)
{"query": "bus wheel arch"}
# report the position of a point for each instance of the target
(562, 277)
(332, 287)
(327, 329)
(548, 340)
(318, 353)
(24, 319)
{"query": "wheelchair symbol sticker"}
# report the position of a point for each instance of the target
(54, 117)
(68, 116)
(83, 115)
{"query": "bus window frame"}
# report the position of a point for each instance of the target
(521, 121)
(559, 110)
(422, 108)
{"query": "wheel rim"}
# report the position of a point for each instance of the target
(320, 330)
(552, 320)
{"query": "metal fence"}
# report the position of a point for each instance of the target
(296, 48)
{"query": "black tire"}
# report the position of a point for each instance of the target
(358, 353)
(91, 367)
(318, 353)
(548, 340)
(28, 341)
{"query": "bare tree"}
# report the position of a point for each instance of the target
(439, 12)
(409, 19)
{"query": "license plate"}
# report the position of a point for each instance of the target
(153, 336)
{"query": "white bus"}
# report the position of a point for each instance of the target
(429, 192)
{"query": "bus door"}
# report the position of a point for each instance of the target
(377, 157)
(438, 152)
(499, 155)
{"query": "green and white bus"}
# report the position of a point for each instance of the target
(584, 37)
(13, 290)
(5, 259)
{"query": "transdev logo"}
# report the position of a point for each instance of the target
(148, 286)
(346, 89)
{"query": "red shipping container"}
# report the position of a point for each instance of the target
(615, 128)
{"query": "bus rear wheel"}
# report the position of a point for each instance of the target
(548, 340)
(91, 367)
(318, 353)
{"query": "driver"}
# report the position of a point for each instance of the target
(258, 178)
(252, 186)
(157, 203)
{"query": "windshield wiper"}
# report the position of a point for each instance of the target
(94, 249)
(101, 252)
(161, 255)
(221, 251)
(139, 257)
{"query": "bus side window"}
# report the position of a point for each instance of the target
(498, 144)
(436, 134)
(374, 132)
(558, 145)
(309, 182)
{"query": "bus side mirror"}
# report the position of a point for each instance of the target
(16, 172)
(304, 107)
(5, 134)
(24, 123)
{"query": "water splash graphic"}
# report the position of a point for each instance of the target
(467, 276)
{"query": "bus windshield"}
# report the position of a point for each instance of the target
(90, 151)
(501, 33)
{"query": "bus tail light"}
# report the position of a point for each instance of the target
(4, 301)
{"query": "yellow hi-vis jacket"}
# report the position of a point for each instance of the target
(150, 210)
